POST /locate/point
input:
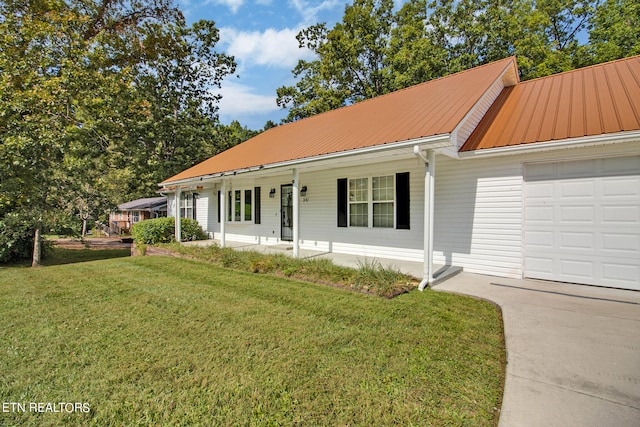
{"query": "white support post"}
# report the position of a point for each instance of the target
(296, 214)
(223, 212)
(429, 199)
(177, 225)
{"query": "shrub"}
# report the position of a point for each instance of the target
(162, 230)
(16, 239)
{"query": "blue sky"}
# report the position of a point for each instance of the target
(261, 35)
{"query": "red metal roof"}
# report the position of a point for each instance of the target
(428, 109)
(596, 100)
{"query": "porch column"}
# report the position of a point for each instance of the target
(429, 191)
(177, 227)
(296, 214)
(223, 212)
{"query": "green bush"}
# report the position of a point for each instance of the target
(16, 238)
(161, 230)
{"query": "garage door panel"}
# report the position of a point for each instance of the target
(582, 222)
(577, 189)
(621, 187)
(577, 214)
(577, 240)
(621, 242)
(620, 214)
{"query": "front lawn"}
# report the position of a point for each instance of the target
(159, 340)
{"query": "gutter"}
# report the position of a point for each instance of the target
(436, 141)
(587, 141)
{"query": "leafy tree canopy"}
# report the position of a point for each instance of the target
(377, 49)
(99, 101)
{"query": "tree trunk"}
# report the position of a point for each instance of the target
(37, 249)
(84, 227)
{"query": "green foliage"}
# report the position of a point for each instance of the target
(100, 101)
(17, 238)
(162, 230)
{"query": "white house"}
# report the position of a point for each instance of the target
(537, 179)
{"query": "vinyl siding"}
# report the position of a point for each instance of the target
(478, 215)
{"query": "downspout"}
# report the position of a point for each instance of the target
(429, 190)
(176, 208)
(223, 212)
(296, 214)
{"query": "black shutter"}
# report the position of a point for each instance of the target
(193, 201)
(403, 201)
(342, 202)
(219, 212)
(256, 195)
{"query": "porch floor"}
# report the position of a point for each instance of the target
(411, 268)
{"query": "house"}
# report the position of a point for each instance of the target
(134, 211)
(536, 179)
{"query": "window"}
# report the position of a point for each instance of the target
(240, 206)
(359, 202)
(188, 205)
(135, 216)
(383, 199)
(379, 201)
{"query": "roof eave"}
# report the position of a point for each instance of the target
(430, 142)
(586, 141)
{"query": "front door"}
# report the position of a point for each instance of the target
(286, 213)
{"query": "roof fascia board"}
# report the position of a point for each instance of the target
(508, 77)
(588, 141)
(431, 142)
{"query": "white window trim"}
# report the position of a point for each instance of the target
(231, 218)
(370, 202)
(185, 198)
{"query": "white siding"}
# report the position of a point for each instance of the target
(478, 215)
(206, 210)
(468, 125)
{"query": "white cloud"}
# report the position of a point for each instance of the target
(239, 101)
(233, 5)
(310, 9)
(271, 47)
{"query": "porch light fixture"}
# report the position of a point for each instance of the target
(272, 193)
(303, 191)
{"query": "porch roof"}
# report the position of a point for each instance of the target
(426, 110)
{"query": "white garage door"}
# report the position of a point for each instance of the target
(582, 222)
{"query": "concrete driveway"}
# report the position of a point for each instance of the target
(573, 352)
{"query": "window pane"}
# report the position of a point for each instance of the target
(358, 190)
(382, 187)
(237, 206)
(383, 215)
(359, 215)
(247, 205)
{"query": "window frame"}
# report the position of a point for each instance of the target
(237, 206)
(187, 205)
(370, 202)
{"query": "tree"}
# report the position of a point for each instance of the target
(613, 32)
(84, 86)
(350, 65)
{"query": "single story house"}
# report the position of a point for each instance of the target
(134, 211)
(536, 179)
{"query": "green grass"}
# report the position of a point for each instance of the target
(166, 341)
(371, 276)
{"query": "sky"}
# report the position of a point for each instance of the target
(261, 35)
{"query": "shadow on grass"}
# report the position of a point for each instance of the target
(60, 256)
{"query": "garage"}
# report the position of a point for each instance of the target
(582, 221)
